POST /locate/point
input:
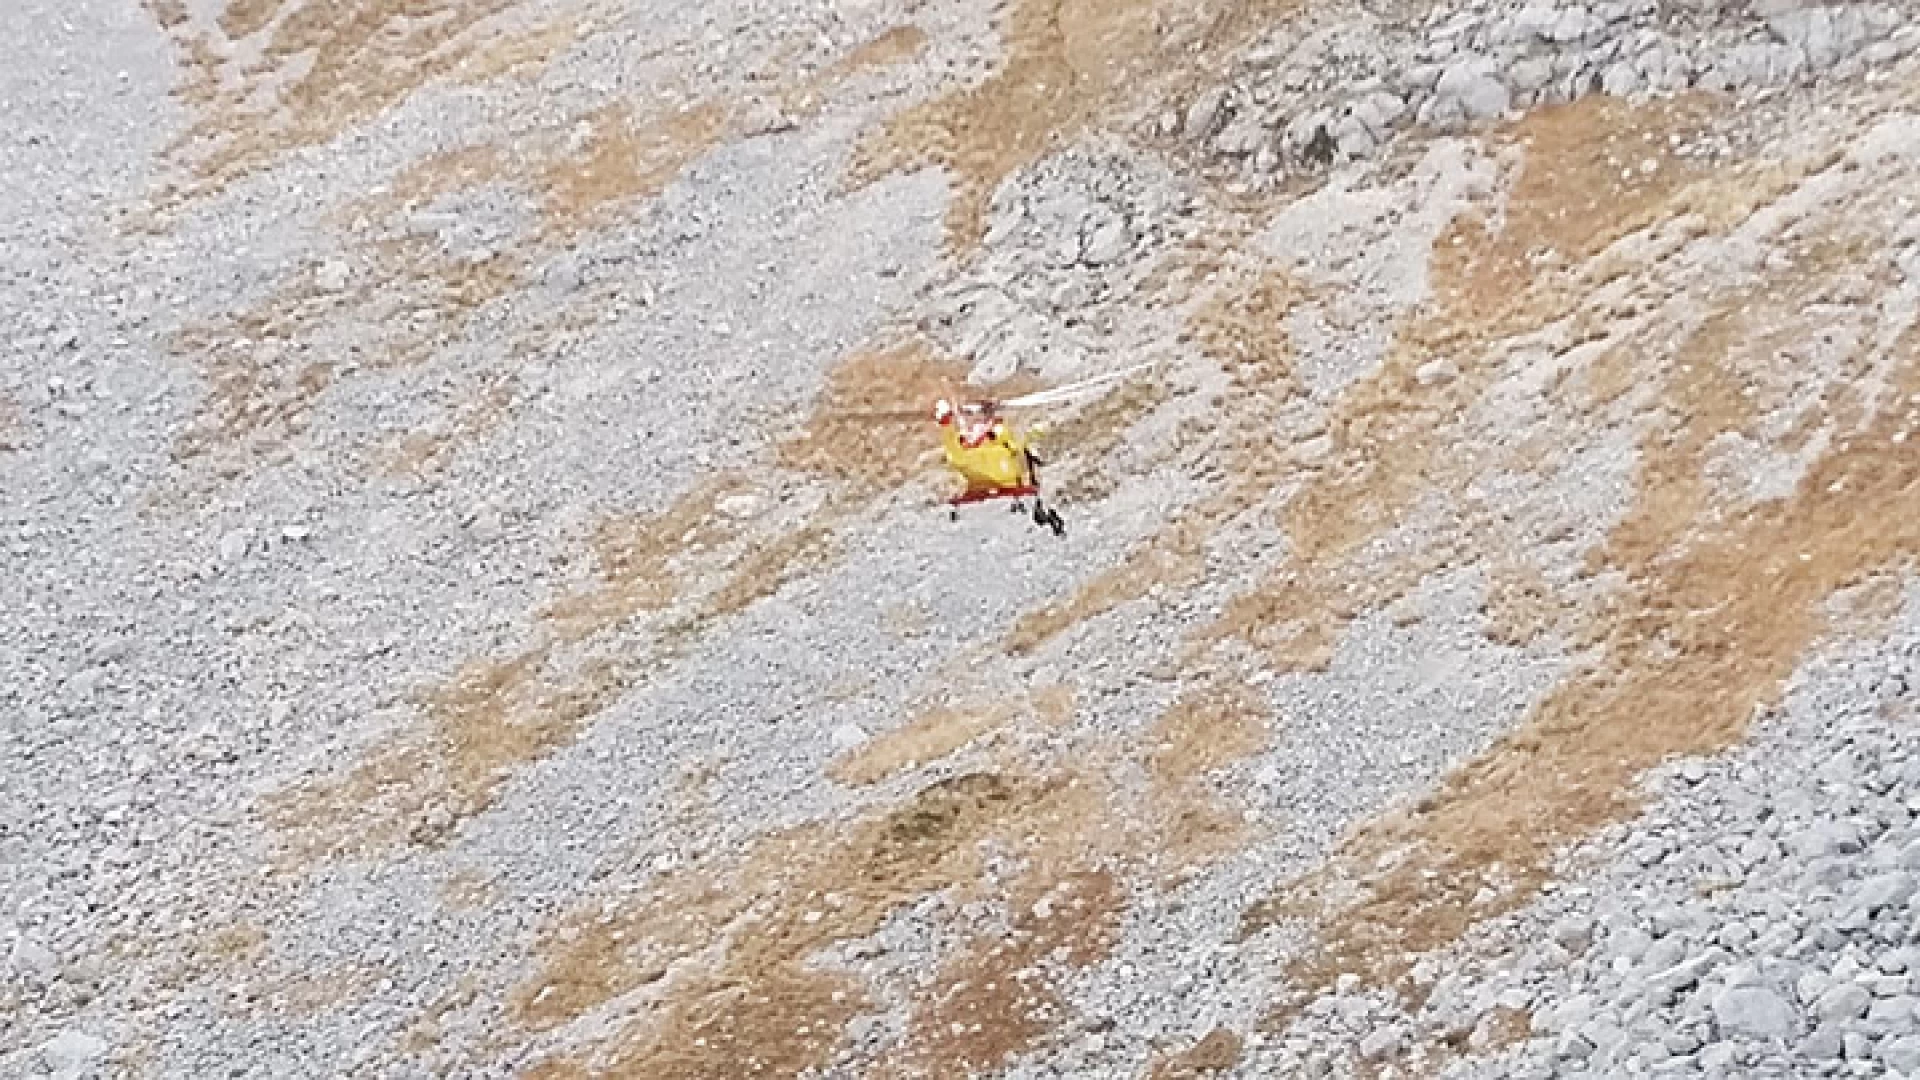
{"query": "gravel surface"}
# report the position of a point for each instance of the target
(461, 617)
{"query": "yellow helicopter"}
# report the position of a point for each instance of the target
(994, 460)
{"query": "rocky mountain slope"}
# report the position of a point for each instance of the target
(462, 618)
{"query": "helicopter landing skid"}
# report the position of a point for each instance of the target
(984, 494)
(1042, 515)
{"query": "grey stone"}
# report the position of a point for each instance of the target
(1104, 238)
(1755, 64)
(233, 546)
(1604, 1036)
(333, 276)
(1825, 35)
(1572, 933)
(1313, 451)
(1885, 985)
(1881, 53)
(1683, 975)
(1309, 138)
(1753, 1011)
(431, 224)
(1241, 138)
(1620, 79)
(1847, 1001)
(1719, 1057)
(1883, 891)
(1824, 1044)
(1665, 69)
(1630, 943)
(1573, 24)
(1680, 1042)
(1353, 138)
(1902, 1053)
(1572, 1046)
(1437, 372)
(1672, 919)
(1420, 77)
(1896, 1011)
(1381, 110)
(1382, 1042)
(1529, 74)
(1826, 838)
(1535, 21)
(1757, 849)
(29, 957)
(1570, 1015)
(71, 1050)
(1469, 86)
(1665, 953)
(1207, 114)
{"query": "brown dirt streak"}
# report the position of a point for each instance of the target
(872, 428)
(732, 939)
(497, 714)
(793, 894)
(770, 566)
(1208, 728)
(627, 156)
(928, 737)
(424, 451)
(624, 159)
(1204, 731)
(1218, 1052)
(638, 560)
(895, 46)
(994, 1000)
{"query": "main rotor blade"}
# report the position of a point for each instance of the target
(1071, 390)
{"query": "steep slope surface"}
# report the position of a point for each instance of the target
(458, 625)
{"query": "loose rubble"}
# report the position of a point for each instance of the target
(1340, 86)
(1758, 919)
(411, 577)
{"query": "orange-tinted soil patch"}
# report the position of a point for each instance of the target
(1219, 1051)
(930, 736)
(993, 999)
(873, 427)
(625, 157)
